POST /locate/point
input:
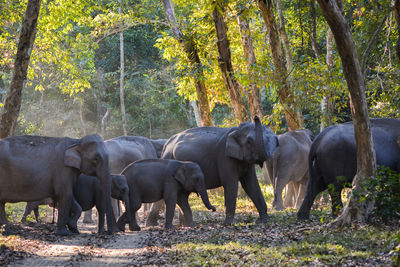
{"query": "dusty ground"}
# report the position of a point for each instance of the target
(41, 247)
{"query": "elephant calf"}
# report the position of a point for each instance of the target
(172, 180)
(34, 206)
(88, 194)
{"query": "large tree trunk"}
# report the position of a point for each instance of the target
(225, 65)
(253, 93)
(293, 117)
(121, 79)
(12, 104)
(326, 102)
(285, 39)
(356, 210)
(190, 49)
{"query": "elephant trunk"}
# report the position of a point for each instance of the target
(128, 210)
(259, 140)
(103, 173)
(206, 201)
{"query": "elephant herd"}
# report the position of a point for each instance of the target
(79, 174)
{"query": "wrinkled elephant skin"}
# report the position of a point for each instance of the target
(333, 161)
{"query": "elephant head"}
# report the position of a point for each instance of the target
(120, 190)
(253, 143)
(191, 177)
(90, 157)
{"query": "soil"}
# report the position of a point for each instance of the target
(37, 245)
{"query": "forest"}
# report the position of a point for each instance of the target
(156, 68)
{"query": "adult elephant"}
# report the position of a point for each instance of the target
(36, 167)
(333, 160)
(289, 164)
(124, 150)
(226, 156)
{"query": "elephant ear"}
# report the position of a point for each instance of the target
(232, 146)
(179, 175)
(72, 157)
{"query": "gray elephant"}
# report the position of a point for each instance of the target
(172, 180)
(333, 161)
(88, 194)
(226, 156)
(124, 150)
(34, 206)
(289, 164)
(36, 167)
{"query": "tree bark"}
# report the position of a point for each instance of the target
(293, 117)
(253, 93)
(326, 102)
(355, 210)
(12, 103)
(122, 74)
(285, 39)
(396, 12)
(225, 65)
(196, 113)
(314, 42)
(190, 49)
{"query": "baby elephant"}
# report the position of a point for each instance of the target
(153, 179)
(88, 194)
(34, 206)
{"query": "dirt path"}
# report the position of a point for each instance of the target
(85, 249)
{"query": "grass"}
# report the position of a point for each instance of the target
(282, 241)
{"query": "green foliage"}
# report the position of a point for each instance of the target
(385, 190)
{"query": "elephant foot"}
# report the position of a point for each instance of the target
(169, 227)
(73, 229)
(63, 232)
(230, 221)
(8, 230)
(302, 216)
(192, 224)
(134, 227)
(262, 220)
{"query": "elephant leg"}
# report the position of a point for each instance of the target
(290, 196)
(36, 212)
(252, 188)
(64, 205)
(300, 195)
(27, 211)
(3, 217)
(170, 204)
(278, 202)
(100, 220)
(87, 216)
(154, 214)
(76, 212)
(230, 194)
(335, 193)
(314, 187)
(183, 203)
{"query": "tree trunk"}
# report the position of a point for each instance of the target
(190, 49)
(253, 93)
(196, 113)
(12, 103)
(356, 210)
(285, 39)
(81, 117)
(314, 42)
(293, 117)
(122, 74)
(396, 12)
(225, 65)
(326, 102)
(2, 87)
